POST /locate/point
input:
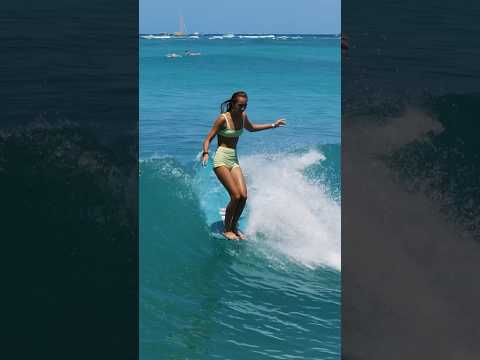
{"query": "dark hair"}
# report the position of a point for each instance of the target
(227, 105)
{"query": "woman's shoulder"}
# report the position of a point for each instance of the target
(222, 119)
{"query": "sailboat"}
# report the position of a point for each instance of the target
(181, 31)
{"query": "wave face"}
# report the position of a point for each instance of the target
(276, 295)
(443, 163)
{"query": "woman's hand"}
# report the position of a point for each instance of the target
(205, 159)
(279, 122)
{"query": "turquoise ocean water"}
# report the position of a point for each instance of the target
(277, 295)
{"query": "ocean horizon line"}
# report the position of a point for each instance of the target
(253, 33)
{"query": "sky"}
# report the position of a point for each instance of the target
(246, 16)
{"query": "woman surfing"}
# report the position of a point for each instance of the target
(229, 127)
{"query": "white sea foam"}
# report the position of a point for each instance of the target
(284, 37)
(297, 216)
(151, 37)
(256, 36)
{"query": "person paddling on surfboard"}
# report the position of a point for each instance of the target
(229, 126)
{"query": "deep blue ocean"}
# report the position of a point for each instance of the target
(276, 295)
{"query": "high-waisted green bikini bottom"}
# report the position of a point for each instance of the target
(225, 157)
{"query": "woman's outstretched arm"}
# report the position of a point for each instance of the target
(258, 127)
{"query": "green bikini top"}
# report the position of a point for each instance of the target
(226, 132)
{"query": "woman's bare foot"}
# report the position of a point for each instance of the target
(240, 234)
(230, 235)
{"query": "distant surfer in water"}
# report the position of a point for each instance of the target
(229, 126)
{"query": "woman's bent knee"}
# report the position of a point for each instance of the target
(236, 196)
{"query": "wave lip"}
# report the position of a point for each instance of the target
(294, 215)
